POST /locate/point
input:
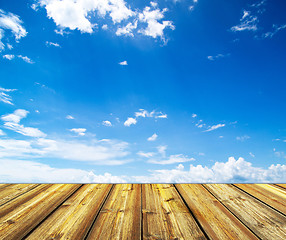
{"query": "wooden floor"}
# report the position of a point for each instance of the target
(142, 211)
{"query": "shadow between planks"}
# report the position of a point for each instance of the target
(142, 211)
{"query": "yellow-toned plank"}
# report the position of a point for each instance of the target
(281, 185)
(165, 216)
(120, 217)
(265, 222)
(74, 217)
(21, 217)
(216, 220)
(4, 185)
(14, 190)
(270, 194)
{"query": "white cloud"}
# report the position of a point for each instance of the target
(218, 56)
(26, 59)
(130, 121)
(162, 150)
(104, 27)
(12, 122)
(191, 8)
(123, 63)
(107, 123)
(2, 133)
(144, 113)
(145, 154)
(194, 115)
(153, 137)
(214, 127)
(232, 171)
(70, 117)
(8, 56)
(251, 154)
(154, 27)
(15, 171)
(52, 44)
(242, 138)
(247, 22)
(127, 30)
(178, 158)
(276, 29)
(5, 97)
(11, 22)
(75, 14)
(79, 131)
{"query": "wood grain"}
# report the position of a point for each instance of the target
(270, 194)
(24, 217)
(74, 217)
(165, 216)
(14, 190)
(120, 217)
(216, 220)
(265, 222)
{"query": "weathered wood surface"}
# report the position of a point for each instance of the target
(265, 222)
(165, 216)
(120, 218)
(142, 211)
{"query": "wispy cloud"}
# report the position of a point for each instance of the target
(52, 44)
(13, 23)
(5, 97)
(248, 22)
(70, 117)
(8, 56)
(242, 138)
(26, 59)
(218, 56)
(12, 122)
(276, 29)
(214, 127)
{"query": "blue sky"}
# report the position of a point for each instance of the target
(139, 91)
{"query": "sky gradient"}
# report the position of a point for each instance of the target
(139, 91)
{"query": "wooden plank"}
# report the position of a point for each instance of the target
(14, 190)
(73, 218)
(265, 222)
(4, 185)
(120, 217)
(272, 195)
(165, 216)
(216, 220)
(23, 217)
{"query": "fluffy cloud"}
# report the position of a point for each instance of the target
(12, 23)
(152, 15)
(5, 97)
(2, 133)
(8, 56)
(130, 121)
(214, 127)
(76, 14)
(194, 115)
(107, 123)
(232, 171)
(12, 122)
(123, 63)
(79, 131)
(127, 30)
(144, 113)
(153, 137)
(101, 152)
